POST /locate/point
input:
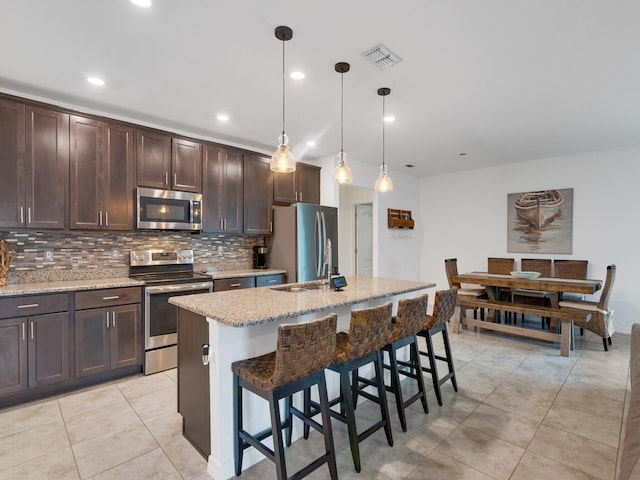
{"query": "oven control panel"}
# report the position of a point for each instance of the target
(160, 257)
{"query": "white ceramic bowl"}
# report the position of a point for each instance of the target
(529, 275)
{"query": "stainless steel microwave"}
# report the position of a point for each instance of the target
(168, 210)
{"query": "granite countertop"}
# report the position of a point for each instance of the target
(242, 308)
(251, 272)
(66, 286)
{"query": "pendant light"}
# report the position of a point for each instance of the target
(342, 172)
(283, 160)
(383, 182)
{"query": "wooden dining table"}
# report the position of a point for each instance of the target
(554, 287)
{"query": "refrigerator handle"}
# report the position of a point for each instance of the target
(324, 240)
(318, 246)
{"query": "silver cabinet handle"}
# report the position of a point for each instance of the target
(106, 219)
(28, 305)
(300, 196)
(23, 331)
(107, 319)
(29, 214)
(175, 179)
(166, 178)
(271, 281)
(32, 336)
(113, 320)
(221, 224)
(112, 297)
(100, 218)
(225, 223)
(271, 227)
(21, 214)
(235, 285)
(205, 354)
(296, 196)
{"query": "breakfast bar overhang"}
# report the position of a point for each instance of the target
(243, 324)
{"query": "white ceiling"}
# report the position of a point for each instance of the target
(501, 80)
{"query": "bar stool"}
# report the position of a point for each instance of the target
(407, 323)
(443, 310)
(368, 333)
(303, 352)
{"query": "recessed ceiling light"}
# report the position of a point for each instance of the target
(311, 143)
(141, 3)
(389, 118)
(409, 165)
(297, 75)
(95, 80)
(223, 118)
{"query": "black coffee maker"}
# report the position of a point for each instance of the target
(260, 256)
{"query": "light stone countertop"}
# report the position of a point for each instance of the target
(251, 272)
(66, 286)
(243, 308)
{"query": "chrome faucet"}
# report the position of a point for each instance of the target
(328, 258)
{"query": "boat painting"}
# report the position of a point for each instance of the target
(538, 208)
(540, 221)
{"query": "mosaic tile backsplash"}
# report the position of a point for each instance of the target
(106, 255)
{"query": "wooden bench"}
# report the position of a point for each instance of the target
(566, 315)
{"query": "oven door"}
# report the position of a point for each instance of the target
(161, 317)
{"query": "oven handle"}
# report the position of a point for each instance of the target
(183, 287)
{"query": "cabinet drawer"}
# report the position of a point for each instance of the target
(33, 305)
(108, 297)
(268, 280)
(233, 283)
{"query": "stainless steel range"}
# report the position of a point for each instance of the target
(165, 274)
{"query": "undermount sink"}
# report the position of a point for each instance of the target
(299, 287)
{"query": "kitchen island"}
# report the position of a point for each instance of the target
(241, 324)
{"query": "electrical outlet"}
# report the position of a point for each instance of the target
(48, 255)
(115, 253)
(220, 248)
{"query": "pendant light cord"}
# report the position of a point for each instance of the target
(283, 96)
(383, 99)
(342, 112)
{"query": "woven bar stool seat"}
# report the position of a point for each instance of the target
(443, 309)
(302, 354)
(368, 332)
(407, 323)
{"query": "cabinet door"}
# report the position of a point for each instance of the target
(13, 355)
(126, 336)
(12, 180)
(117, 172)
(308, 182)
(212, 195)
(153, 159)
(222, 190)
(92, 342)
(258, 195)
(235, 283)
(48, 348)
(186, 161)
(284, 187)
(232, 190)
(47, 167)
(85, 188)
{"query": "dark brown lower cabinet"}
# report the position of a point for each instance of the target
(34, 351)
(108, 338)
(193, 381)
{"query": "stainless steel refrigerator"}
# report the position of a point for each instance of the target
(299, 241)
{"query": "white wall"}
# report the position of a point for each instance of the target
(465, 215)
(396, 253)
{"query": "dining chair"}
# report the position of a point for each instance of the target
(533, 297)
(573, 269)
(451, 269)
(503, 266)
(601, 322)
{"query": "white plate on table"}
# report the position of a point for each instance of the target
(528, 275)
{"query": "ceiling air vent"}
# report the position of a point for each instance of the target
(382, 56)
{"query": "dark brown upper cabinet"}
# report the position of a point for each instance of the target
(101, 173)
(168, 163)
(34, 158)
(303, 185)
(222, 190)
(258, 196)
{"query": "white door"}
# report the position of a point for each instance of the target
(364, 239)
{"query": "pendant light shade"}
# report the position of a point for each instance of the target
(342, 172)
(383, 182)
(283, 160)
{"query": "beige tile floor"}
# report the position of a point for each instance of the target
(522, 412)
